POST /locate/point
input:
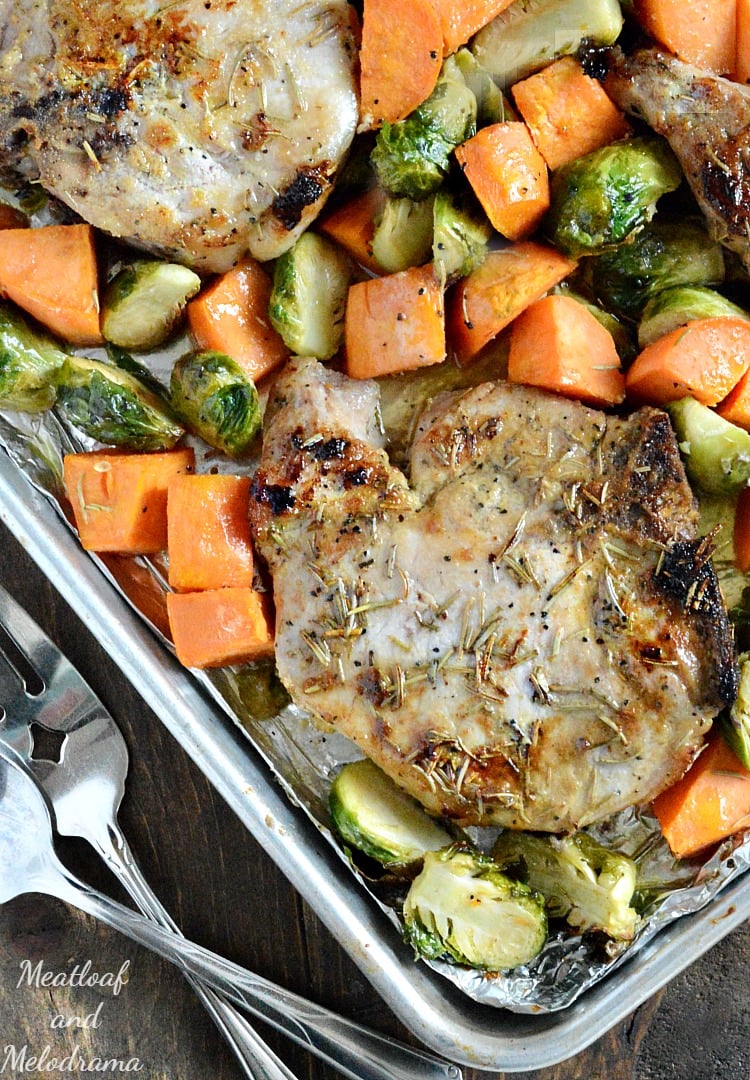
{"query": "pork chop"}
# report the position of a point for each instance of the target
(197, 130)
(529, 632)
(706, 120)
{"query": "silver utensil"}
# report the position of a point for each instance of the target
(28, 863)
(85, 786)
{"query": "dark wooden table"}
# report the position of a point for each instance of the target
(227, 894)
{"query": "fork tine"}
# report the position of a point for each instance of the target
(32, 682)
(11, 682)
(14, 729)
(33, 645)
(64, 699)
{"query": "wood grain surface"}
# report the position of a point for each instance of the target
(226, 893)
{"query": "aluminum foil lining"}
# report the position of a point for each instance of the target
(304, 760)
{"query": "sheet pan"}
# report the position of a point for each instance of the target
(466, 1032)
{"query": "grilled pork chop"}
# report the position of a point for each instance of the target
(706, 120)
(197, 130)
(529, 633)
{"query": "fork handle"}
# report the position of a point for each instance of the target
(254, 1056)
(256, 1059)
(356, 1051)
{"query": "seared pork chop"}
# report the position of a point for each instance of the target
(195, 130)
(706, 120)
(528, 633)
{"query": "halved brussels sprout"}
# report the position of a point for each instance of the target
(373, 815)
(29, 362)
(122, 359)
(463, 906)
(529, 34)
(403, 234)
(461, 234)
(665, 253)
(601, 199)
(674, 307)
(113, 407)
(735, 726)
(492, 105)
(716, 452)
(144, 301)
(581, 880)
(308, 299)
(216, 400)
(412, 157)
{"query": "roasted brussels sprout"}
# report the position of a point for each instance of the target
(403, 234)
(674, 307)
(601, 199)
(528, 34)
(735, 726)
(581, 880)
(463, 906)
(113, 407)
(665, 253)
(492, 104)
(372, 814)
(31, 197)
(216, 400)
(461, 233)
(308, 298)
(29, 361)
(411, 157)
(144, 301)
(122, 359)
(716, 452)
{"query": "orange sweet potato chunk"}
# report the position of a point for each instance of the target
(568, 113)
(209, 539)
(509, 177)
(51, 273)
(400, 58)
(705, 358)
(230, 315)
(208, 532)
(119, 500)
(352, 226)
(394, 323)
(482, 304)
(701, 32)
(560, 346)
(218, 627)
(709, 803)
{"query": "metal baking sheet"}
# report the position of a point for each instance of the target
(463, 1030)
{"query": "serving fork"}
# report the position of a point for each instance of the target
(82, 784)
(85, 782)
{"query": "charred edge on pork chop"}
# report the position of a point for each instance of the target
(646, 494)
(529, 632)
(685, 574)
